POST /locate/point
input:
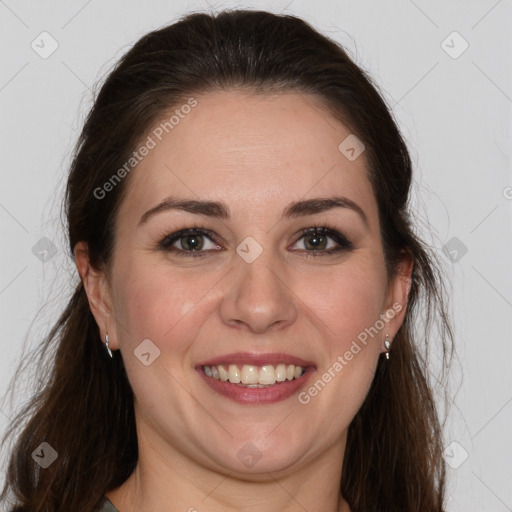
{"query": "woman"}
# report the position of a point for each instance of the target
(237, 209)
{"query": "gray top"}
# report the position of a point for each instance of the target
(105, 505)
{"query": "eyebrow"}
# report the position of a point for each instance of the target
(220, 210)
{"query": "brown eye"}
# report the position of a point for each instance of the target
(316, 241)
(324, 241)
(194, 242)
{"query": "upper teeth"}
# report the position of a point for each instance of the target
(254, 375)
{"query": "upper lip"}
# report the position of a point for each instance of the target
(256, 359)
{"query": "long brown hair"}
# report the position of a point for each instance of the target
(84, 405)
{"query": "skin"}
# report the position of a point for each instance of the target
(257, 154)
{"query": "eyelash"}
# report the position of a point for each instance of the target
(343, 243)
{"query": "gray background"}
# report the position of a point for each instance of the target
(453, 107)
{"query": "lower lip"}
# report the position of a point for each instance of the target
(269, 395)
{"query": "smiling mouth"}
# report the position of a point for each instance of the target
(252, 376)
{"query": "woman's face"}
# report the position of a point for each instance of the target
(250, 287)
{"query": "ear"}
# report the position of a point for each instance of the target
(395, 305)
(98, 292)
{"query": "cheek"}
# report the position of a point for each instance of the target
(347, 301)
(153, 300)
(157, 304)
(349, 304)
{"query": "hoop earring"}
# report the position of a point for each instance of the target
(108, 348)
(387, 344)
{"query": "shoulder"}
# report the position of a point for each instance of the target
(105, 505)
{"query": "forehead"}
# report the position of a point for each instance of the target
(248, 150)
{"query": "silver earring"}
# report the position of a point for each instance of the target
(108, 348)
(387, 344)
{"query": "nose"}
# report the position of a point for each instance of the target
(257, 297)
